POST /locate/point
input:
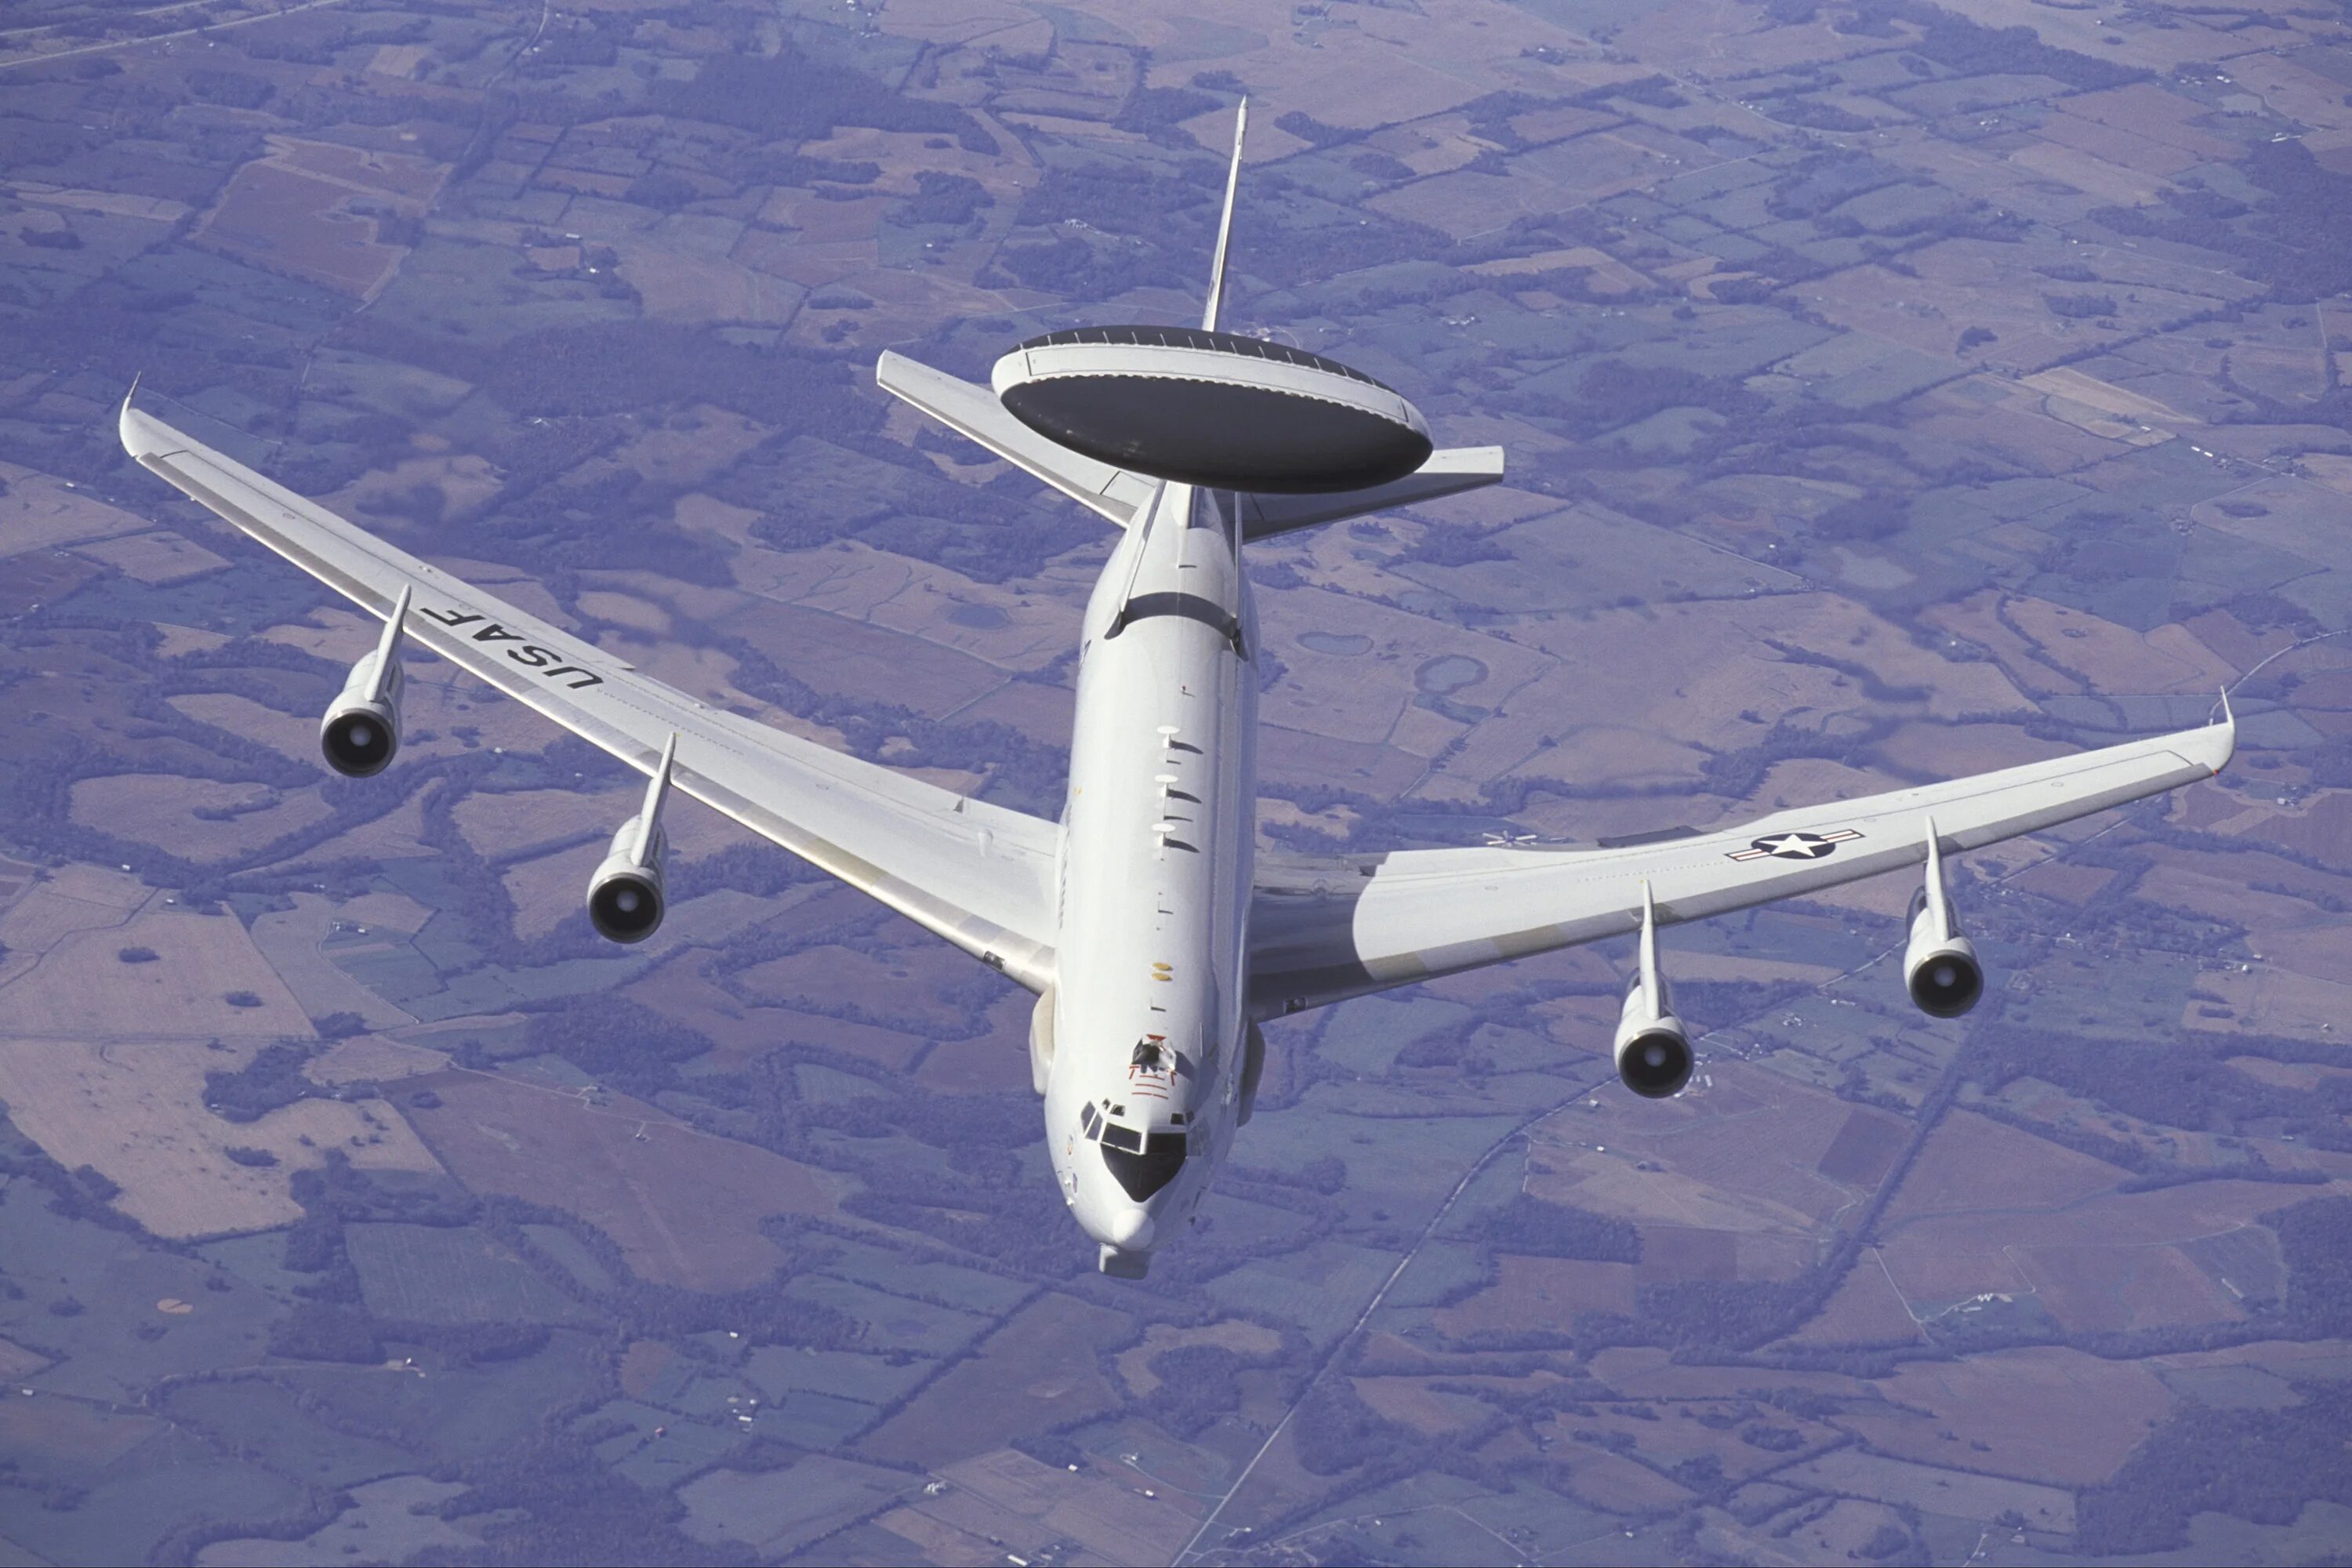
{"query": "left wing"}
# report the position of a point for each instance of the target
(978, 875)
(1322, 929)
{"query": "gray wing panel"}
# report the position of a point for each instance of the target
(978, 875)
(1324, 929)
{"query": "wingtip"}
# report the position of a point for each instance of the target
(122, 416)
(2221, 737)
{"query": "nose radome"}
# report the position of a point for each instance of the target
(1128, 1229)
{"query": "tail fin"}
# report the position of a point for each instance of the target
(1225, 224)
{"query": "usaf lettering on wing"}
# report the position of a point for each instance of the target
(530, 656)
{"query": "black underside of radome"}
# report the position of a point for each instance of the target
(1219, 435)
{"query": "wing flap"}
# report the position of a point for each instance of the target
(978, 875)
(1325, 929)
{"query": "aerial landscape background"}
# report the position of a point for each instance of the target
(1891, 391)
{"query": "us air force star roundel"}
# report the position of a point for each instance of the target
(1796, 845)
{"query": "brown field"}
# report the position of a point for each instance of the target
(1412, 1402)
(1964, 748)
(1466, 202)
(503, 823)
(1613, 1482)
(2014, 429)
(160, 809)
(1539, 1293)
(301, 225)
(2148, 113)
(75, 897)
(2100, 1260)
(1037, 624)
(1864, 1310)
(136, 1113)
(1649, 1373)
(41, 512)
(2094, 1290)
(81, 989)
(157, 557)
(1039, 1367)
(282, 732)
(679, 286)
(993, 1063)
(854, 659)
(375, 1059)
(2118, 659)
(1744, 1155)
(289, 941)
(1971, 1164)
(67, 1429)
(826, 978)
(1863, 1148)
(465, 480)
(684, 1206)
(1111, 1520)
(1932, 1491)
(2302, 1076)
(2029, 1407)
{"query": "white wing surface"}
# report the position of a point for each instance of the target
(978, 875)
(1326, 928)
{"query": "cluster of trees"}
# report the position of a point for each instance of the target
(1530, 1226)
(2261, 1465)
(2295, 240)
(791, 97)
(2173, 1082)
(274, 1078)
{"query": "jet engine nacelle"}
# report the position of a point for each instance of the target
(1940, 968)
(1653, 1050)
(362, 729)
(1939, 965)
(625, 895)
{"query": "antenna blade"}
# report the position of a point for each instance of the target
(1225, 224)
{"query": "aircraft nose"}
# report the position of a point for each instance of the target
(1129, 1230)
(1107, 1215)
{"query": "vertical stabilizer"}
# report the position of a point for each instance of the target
(1225, 224)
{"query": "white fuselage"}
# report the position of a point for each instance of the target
(1148, 1002)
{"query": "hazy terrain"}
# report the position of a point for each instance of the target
(1889, 393)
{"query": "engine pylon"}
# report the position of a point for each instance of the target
(361, 731)
(1940, 968)
(1652, 1049)
(625, 900)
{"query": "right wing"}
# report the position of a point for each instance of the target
(978, 875)
(1325, 929)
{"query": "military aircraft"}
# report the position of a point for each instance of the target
(1154, 933)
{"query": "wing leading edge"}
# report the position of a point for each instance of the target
(1323, 930)
(978, 875)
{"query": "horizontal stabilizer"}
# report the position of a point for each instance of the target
(974, 413)
(1449, 471)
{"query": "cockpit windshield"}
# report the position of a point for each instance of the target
(1140, 1162)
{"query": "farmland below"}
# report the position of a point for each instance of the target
(1890, 392)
